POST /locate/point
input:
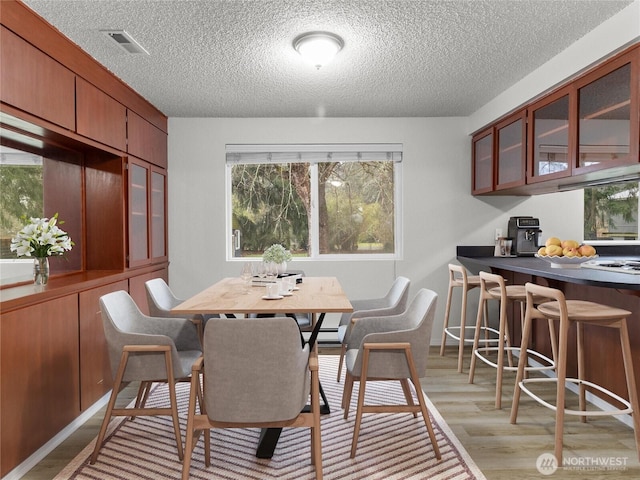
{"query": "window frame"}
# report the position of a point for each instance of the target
(314, 254)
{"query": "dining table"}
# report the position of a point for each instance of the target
(316, 296)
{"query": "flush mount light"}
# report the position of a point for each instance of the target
(318, 48)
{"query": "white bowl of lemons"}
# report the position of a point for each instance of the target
(566, 253)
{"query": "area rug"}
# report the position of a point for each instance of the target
(391, 446)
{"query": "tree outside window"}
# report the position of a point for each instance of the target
(611, 212)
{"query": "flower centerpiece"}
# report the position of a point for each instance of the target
(277, 255)
(41, 239)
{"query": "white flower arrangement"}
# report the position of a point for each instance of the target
(277, 254)
(41, 238)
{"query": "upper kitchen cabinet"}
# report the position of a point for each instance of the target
(146, 141)
(511, 140)
(607, 116)
(33, 82)
(551, 139)
(100, 117)
(147, 213)
(482, 162)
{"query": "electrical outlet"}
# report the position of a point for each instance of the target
(498, 233)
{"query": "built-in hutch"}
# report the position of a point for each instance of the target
(105, 149)
(584, 131)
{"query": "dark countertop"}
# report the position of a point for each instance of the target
(479, 258)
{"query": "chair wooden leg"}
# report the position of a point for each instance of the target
(316, 434)
(343, 351)
(502, 329)
(423, 406)
(112, 401)
(171, 382)
(631, 381)
(522, 362)
(447, 311)
(407, 394)
(190, 433)
(582, 391)
(463, 325)
(363, 383)
(346, 394)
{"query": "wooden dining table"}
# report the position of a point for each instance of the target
(314, 295)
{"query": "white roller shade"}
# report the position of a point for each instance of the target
(314, 153)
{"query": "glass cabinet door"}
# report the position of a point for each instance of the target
(482, 180)
(158, 215)
(511, 154)
(549, 134)
(604, 120)
(138, 213)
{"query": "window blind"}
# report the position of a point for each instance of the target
(313, 153)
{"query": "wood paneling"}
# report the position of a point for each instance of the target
(99, 116)
(33, 82)
(146, 141)
(95, 369)
(40, 376)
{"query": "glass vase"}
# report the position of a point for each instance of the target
(40, 270)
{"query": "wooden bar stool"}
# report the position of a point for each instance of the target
(580, 312)
(458, 278)
(506, 295)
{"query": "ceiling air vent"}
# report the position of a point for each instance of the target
(125, 41)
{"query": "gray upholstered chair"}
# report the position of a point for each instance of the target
(395, 301)
(161, 300)
(391, 348)
(145, 349)
(254, 383)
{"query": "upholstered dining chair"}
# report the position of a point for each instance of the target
(395, 301)
(145, 349)
(265, 384)
(384, 348)
(161, 300)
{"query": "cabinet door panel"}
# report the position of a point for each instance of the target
(40, 373)
(99, 116)
(95, 369)
(146, 141)
(138, 213)
(511, 152)
(158, 229)
(482, 174)
(34, 82)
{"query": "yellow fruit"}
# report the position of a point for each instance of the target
(554, 250)
(569, 244)
(571, 252)
(587, 250)
(542, 251)
(553, 241)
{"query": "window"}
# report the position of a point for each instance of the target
(611, 212)
(319, 201)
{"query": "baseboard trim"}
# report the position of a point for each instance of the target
(48, 447)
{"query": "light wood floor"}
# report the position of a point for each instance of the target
(501, 450)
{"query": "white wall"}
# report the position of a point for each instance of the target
(439, 211)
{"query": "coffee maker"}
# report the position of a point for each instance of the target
(524, 232)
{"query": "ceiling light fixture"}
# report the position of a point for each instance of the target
(318, 48)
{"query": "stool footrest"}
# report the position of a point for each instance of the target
(550, 364)
(449, 332)
(582, 413)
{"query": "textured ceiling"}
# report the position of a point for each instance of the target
(222, 58)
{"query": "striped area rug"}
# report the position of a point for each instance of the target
(391, 446)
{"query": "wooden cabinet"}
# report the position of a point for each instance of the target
(99, 116)
(587, 130)
(33, 82)
(147, 213)
(482, 162)
(40, 371)
(146, 141)
(511, 152)
(95, 369)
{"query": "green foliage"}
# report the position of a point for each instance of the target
(603, 205)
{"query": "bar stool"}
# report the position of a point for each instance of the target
(580, 312)
(458, 277)
(506, 295)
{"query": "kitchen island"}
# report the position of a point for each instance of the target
(603, 352)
